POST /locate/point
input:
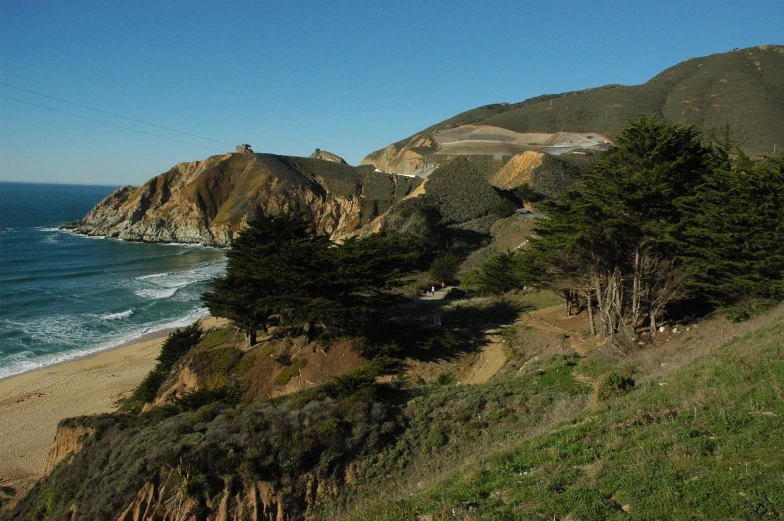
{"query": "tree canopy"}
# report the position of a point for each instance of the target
(660, 217)
(278, 268)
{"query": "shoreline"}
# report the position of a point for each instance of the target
(146, 337)
(33, 403)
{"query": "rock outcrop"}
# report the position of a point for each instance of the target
(327, 156)
(165, 498)
(546, 174)
(208, 202)
(67, 441)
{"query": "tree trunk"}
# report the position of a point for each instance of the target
(636, 291)
(653, 322)
(618, 300)
(250, 337)
(567, 295)
(589, 303)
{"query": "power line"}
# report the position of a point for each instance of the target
(110, 124)
(113, 114)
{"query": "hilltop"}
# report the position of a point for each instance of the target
(209, 201)
(741, 91)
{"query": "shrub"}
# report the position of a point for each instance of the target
(353, 381)
(290, 371)
(435, 439)
(526, 194)
(148, 389)
(283, 359)
(192, 400)
(177, 344)
(503, 208)
(444, 268)
(445, 378)
(614, 384)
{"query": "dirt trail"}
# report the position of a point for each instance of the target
(532, 320)
(491, 360)
(492, 357)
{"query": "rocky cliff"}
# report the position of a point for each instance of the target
(67, 441)
(166, 498)
(209, 201)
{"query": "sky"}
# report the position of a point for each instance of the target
(349, 77)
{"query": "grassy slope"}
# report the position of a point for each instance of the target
(700, 436)
(742, 90)
(701, 441)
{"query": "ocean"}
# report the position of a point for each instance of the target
(64, 296)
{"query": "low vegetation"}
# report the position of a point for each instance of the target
(702, 442)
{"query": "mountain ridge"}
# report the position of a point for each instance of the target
(741, 91)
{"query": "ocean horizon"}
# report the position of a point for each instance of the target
(65, 296)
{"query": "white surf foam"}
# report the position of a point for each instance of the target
(165, 285)
(47, 229)
(156, 294)
(25, 361)
(117, 316)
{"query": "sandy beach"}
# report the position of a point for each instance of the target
(32, 404)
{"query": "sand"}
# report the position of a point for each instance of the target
(91, 385)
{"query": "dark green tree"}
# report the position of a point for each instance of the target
(272, 269)
(733, 238)
(611, 239)
(278, 267)
(444, 268)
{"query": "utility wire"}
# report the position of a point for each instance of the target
(113, 114)
(110, 124)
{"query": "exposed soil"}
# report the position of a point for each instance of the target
(490, 361)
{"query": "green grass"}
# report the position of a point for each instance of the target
(290, 371)
(705, 443)
(218, 337)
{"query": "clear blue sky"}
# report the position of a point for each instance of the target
(288, 77)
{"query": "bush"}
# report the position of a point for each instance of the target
(290, 371)
(503, 208)
(446, 378)
(614, 384)
(353, 381)
(148, 389)
(283, 359)
(177, 344)
(193, 400)
(444, 268)
(526, 194)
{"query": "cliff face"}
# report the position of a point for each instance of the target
(210, 201)
(546, 174)
(68, 440)
(165, 498)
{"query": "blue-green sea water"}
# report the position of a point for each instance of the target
(64, 295)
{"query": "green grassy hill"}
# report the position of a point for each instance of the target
(742, 91)
(698, 436)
